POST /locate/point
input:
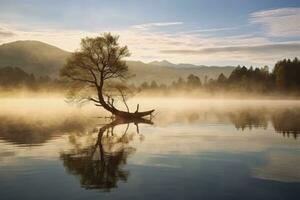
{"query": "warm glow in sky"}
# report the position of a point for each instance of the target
(228, 32)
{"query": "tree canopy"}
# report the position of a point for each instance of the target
(94, 68)
(98, 59)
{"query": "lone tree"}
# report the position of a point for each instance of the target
(97, 73)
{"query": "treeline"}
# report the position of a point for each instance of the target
(191, 82)
(15, 78)
(285, 77)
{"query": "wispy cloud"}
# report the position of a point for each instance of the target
(186, 42)
(266, 49)
(258, 53)
(211, 30)
(157, 24)
(279, 22)
(148, 45)
(5, 33)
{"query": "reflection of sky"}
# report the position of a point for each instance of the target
(281, 166)
(207, 158)
(210, 140)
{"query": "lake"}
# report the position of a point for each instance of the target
(191, 149)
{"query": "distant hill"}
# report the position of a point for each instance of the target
(43, 59)
(33, 57)
(167, 74)
(163, 63)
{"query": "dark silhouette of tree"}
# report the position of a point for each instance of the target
(222, 79)
(98, 67)
(287, 74)
(179, 84)
(193, 81)
(205, 79)
(153, 85)
(237, 74)
(252, 79)
(145, 85)
(13, 77)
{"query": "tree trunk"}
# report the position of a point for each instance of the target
(119, 113)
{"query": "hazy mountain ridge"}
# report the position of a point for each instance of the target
(44, 59)
(167, 74)
(33, 57)
(166, 63)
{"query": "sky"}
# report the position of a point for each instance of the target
(210, 32)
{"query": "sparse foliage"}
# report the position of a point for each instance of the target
(97, 70)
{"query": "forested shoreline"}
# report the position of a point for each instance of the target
(282, 79)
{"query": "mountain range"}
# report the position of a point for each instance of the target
(43, 59)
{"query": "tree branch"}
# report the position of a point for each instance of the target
(123, 99)
(94, 100)
(82, 80)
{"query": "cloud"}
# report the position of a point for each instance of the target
(278, 22)
(210, 30)
(5, 33)
(157, 24)
(147, 45)
(155, 41)
(267, 53)
(265, 49)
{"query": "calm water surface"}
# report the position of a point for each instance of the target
(195, 149)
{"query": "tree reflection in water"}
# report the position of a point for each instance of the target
(33, 132)
(248, 119)
(286, 122)
(100, 165)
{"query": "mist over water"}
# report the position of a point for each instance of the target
(167, 100)
(196, 148)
